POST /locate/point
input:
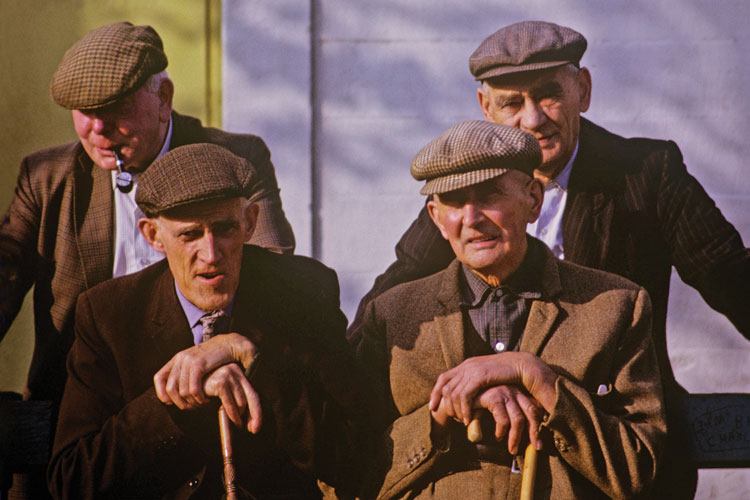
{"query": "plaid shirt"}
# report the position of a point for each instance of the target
(498, 314)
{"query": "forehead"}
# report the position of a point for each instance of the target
(205, 212)
(532, 81)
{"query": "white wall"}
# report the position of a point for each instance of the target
(343, 119)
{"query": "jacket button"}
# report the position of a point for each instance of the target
(410, 464)
(194, 482)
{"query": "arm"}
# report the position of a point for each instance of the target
(421, 251)
(705, 248)
(105, 443)
(273, 230)
(19, 233)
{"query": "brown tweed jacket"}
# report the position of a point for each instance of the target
(57, 236)
(116, 440)
(591, 327)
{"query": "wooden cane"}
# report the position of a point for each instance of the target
(225, 431)
(528, 474)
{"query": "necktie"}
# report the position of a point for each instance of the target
(214, 323)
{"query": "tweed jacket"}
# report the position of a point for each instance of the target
(602, 438)
(116, 439)
(57, 236)
(632, 210)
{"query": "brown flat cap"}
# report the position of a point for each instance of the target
(526, 46)
(473, 152)
(107, 64)
(191, 174)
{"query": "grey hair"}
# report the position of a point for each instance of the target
(154, 81)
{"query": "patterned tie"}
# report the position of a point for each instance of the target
(214, 323)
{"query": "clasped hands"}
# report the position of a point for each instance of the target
(215, 368)
(515, 387)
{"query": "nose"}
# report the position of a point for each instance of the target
(532, 115)
(101, 125)
(472, 213)
(209, 251)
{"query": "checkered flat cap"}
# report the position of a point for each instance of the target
(473, 152)
(526, 46)
(107, 64)
(192, 174)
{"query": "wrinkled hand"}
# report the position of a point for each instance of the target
(458, 387)
(180, 381)
(238, 397)
(513, 410)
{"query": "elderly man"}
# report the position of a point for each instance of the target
(510, 329)
(69, 227)
(627, 206)
(137, 419)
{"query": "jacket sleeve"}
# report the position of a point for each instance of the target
(403, 448)
(705, 248)
(272, 230)
(420, 252)
(104, 447)
(19, 233)
(614, 438)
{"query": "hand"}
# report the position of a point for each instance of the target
(460, 385)
(180, 381)
(238, 397)
(512, 410)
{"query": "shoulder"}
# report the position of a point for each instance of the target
(54, 161)
(419, 297)
(189, 130)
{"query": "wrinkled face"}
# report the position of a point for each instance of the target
(547, 104)
(203, 245)
(486, 223)
(136, 125)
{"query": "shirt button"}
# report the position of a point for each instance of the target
(145, 262)
(544, 232)
(499, 347)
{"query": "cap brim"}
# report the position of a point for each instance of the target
(507, 70)
(452, 182)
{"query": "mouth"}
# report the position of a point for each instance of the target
(211, 278)
(481, 240)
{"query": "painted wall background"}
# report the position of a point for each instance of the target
(346, 92)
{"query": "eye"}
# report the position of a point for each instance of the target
(225, 228)
(190, 234)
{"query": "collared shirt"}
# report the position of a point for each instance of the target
(194, 315)
(548, 227)
(132, 252)
(499, 314)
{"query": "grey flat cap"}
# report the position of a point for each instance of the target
(526, 46)
(473, 152)
(191, 174)
(107, 64)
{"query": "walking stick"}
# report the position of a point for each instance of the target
(528, 474)
(225, 431)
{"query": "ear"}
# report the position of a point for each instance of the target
(536, 192)
(584, 89)
(433, 208)
(484, 103)
(150, 231)
(166, 93)
(250, 216)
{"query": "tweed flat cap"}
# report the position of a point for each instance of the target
(191, 174)
(107, 64)
(473, 152)
(526, 46)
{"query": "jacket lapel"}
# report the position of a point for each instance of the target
(544, 312)
(587, 220)
(449, 324)
(93, 213)
(167, 324)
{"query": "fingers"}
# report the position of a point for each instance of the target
(513, 411)
(240, 401)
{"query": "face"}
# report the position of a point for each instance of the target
(203, 245)
(545, 103)
(136, 125)
(486, 223)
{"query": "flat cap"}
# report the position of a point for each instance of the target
(192, 174)
(526, 46)
(107, 64)
(472, 152)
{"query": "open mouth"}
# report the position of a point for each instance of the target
(210, 276)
